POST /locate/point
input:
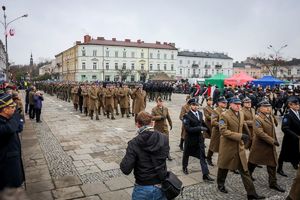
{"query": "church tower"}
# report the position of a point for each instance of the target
(31, 61)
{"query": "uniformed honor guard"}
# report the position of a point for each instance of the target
(139, 99)
(215, 133)
(184, 109)
(208, 111)
(109, 101)
(194, 140)
(263, 150)
(232, 154)
(290, 143)
(249, 115)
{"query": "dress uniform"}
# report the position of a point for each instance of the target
(194, 140)
(208, 111)
(263, 150)
(290, 143)
(215, 133)
(124, 95)
(101, 108)
(93, 101)
(140, 99)
(184, 109)
(84, 93)
(232, 154)
(109, 101)
(249, 115)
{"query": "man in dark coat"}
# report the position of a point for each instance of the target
(11, 169)
(290, 143)
(194, 140)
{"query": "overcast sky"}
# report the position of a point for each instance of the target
(237, 27)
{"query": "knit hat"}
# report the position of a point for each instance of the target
(6, 100)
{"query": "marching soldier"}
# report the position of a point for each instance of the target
(232, 154)
(109, 101)
(184, 109)
(124, 95)
(249, 115)
(84, 93)
(215, 133)
(116, 98)
(160, 115)
(208, 111)
(263, 150)
(100, 94)
(140, 99)
(93, 101)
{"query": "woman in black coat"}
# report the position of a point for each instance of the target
(11, 169)
(290, 143)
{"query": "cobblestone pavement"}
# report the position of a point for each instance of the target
(69, 156)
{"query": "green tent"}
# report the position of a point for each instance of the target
(217, 79)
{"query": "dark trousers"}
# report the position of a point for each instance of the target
(26, 107)
(246, 178)
(38, 114)
(201, 156)
(271, 171)
(31, 111)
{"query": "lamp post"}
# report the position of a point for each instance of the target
(5, 25)
(276, 57)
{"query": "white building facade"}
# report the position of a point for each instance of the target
(202, 64)
(113, 60)
(2, 62)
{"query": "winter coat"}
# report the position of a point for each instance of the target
(215, 133)
(138, 156)
(184, 109)
(160, 117)
(139, 101)
(38, 101)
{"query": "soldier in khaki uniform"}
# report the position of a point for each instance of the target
(208, 111)
(249, 115)
(75, 97)
(93, 101)
(84, 93)
(232, 153)
(124, 95)
(184, 109)
(215, 133)
(116, 98)
(109, 101)
(140, 99)
(263, 150)
(100, 95)
(160, 115)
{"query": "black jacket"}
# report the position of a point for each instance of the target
(11, 168)
(290, 142)
(146, 143)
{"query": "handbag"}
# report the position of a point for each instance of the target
(171, 185)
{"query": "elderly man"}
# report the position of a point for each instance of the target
(11, 123)
(232, 154)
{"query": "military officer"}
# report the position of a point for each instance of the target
(184, 109)
(84, 93)
(109, 101)
(263, 150)
(116, 98)
(124, 95)
(101, 91)
(249, 115)
(232, 154)
(290, 143)
(215, 134)
(208, 111)
(93, 101)
(140, 99)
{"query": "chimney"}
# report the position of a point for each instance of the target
(87, 38)
(138, 41)
(100, 38)
(127, 40)
(157, 42)
(172, 44)
(77, 42)
(114, 39)
(165, 43)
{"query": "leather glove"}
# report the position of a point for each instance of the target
(203, 128)
(245, 138)
(276, 143)
(171, 127)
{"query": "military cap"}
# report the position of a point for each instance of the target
(6, 100)
(193, 101)
(235, 100)
(293, 99)
(264, 102)
(222, 99)
(246, 100)
(159, 99)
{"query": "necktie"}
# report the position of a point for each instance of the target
(197, 115)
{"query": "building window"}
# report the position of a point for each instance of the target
(180, 71)
(189, 62)
(172, 56)
(165, 56)
(142, 54)
(142, 66)
(116, 66)
(83, 52)
(188, 72)
(290, 72)
(228, 72)
(172, 67)
(94, 52)
(213, 63)
(116, 54)
(94, 65)
(107, 66)
(151, 55)
(132, 55)
(165, 67)
(132, 66)
(132, 78)
(116, 78)
(180, 62)
(107, 53)
(212, 71)
(107, 78)
(83, 65)
(199, 63)
(194, 62)
(298, 71)
(124, 66)
(151, 67)
(199, 71)
(194, 71)
(158, 67)
(94, 77)
(124, 54)
(158, 56)
(83, 77)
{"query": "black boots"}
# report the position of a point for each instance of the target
(207, 178)
(181, 144)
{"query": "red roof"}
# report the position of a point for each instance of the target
(139, 44)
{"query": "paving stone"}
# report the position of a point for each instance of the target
(108, 166)
(68, 193)
(94, 188)
(39, 186)
(82, 157)
(89, 198)
(66, 181)
(186, 181)
(47, 195)
(116, 195)
(83, 151)
(118, 183)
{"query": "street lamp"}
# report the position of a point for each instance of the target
(5, 25)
